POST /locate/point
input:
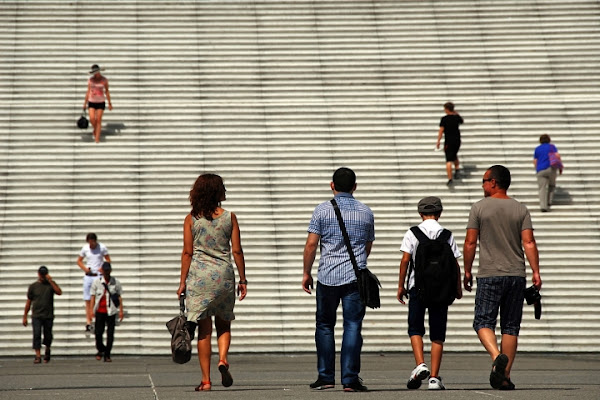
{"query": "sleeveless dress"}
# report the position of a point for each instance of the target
(211, 279)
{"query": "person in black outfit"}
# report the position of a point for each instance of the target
(40, 299)
(449, 128)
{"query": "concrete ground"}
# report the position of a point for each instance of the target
(266, 377)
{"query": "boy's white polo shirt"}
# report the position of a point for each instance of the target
(432, 229)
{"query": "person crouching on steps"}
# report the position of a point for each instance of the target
(105, 290)
(430, 209)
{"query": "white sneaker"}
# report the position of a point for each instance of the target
(436, 384)
(420, 372)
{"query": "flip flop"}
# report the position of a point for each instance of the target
(226, 378)
(203, 386)
(507, 385)
(497, 376)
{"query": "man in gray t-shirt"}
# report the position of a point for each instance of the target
(505, 233)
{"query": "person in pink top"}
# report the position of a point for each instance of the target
(94, 99)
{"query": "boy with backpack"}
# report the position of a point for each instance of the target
(434, 281)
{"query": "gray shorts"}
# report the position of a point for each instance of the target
(504, 293)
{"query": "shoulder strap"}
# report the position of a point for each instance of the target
(108, 290)
(444, 236)
(421, 237)
(338, 214)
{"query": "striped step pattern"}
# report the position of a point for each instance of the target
(274, 96)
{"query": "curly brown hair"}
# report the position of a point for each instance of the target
(206, 195)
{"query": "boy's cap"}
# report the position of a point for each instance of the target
(43, 270)
(430, 204)
(106, 266)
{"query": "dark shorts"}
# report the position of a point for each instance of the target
(451, 150)
(438, 318)
(504, 293)
(97, 106)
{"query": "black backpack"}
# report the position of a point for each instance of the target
(435, 269)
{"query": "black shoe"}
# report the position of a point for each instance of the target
(355, 387)
(497, 376)
(457, 174)
(449, 183)
(89, 328)
(322, 385)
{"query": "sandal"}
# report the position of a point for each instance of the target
(226, 378)
(507, 385)
(497, 376)
(203, 386)
(37, 360)
(47, 356)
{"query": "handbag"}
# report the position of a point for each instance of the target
(82, 122)
(555, 161)
(182, 332)
(368, 283)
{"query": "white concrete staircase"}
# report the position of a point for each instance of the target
(274, 96)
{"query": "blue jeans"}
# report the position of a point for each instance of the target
(328, 299)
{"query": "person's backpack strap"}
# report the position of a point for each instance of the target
(422, 238)
(444, 236)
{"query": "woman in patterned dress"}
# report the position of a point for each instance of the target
(210, 235)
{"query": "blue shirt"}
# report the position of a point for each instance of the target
(541, 155)
(335, 267)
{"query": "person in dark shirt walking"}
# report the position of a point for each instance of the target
(449, 128)
(40, 299)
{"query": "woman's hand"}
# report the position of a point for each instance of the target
(181, 289)
(242, 290)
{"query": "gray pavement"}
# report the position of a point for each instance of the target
(266, 377)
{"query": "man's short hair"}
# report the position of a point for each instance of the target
(449, 106)
(91, 236)
(545, 138)
(501, 175)
(344, 180)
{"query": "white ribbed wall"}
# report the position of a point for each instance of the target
(274, 96)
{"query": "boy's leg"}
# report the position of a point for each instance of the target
(438, 320)
(416, 330)
(416, 325)
(416, 341)
(437, 349)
